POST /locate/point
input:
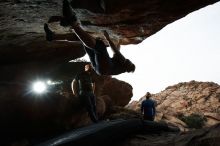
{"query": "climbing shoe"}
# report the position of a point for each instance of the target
(69, 16)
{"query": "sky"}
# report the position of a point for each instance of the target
(187, 49)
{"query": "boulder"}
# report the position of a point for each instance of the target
(185, 99)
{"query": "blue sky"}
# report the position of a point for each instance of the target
(188, 49)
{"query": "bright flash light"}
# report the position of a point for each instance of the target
(39, 87)
(49, 82)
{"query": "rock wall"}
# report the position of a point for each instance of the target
(25, 114)
(22, 37)
(202, 98)
(25, 55)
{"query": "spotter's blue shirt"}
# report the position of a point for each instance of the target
(148, 107)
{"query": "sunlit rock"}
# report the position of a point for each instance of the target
(188, 98)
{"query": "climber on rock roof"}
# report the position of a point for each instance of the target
(96, 49)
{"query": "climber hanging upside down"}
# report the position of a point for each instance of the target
(96, 49)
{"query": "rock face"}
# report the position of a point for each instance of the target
(24, 113)
(25, 55)
(128, 22)
(119, 91)
(22, 37)
(185, 99)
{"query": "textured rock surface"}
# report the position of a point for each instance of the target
(119, 91)
(22, 37)
(25, 55)
(129, 22)
(206, 137)
(202, 98)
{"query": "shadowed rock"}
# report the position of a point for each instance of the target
(128, 22)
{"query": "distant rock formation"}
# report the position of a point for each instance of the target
(185, 99)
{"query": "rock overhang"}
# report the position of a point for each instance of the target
(128, 22)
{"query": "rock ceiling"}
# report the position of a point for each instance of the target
(130, 22)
